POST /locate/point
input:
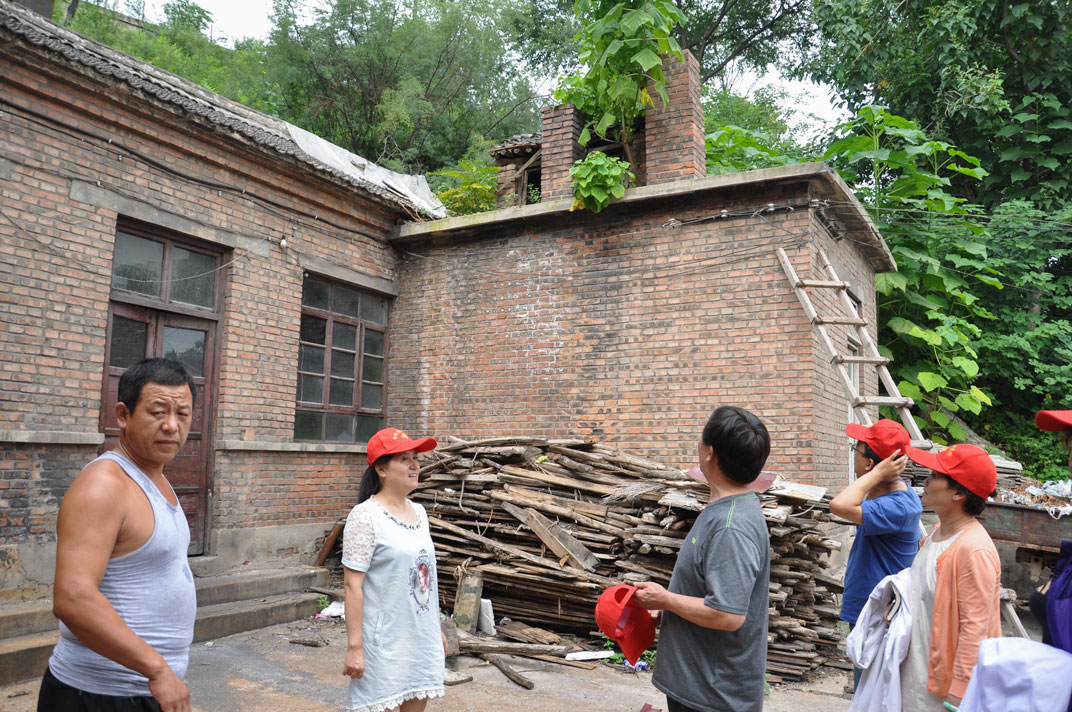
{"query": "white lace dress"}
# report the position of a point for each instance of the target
(400, 618)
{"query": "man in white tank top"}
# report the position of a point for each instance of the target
(121, 545)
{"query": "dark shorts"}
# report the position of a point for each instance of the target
(56, 696)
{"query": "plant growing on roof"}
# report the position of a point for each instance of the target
(621, 44)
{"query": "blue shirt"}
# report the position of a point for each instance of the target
(886, 542)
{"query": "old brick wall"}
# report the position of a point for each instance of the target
(78, 155)
(620, 327)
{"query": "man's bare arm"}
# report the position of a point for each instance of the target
(90, 523)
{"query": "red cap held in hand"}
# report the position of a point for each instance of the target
(884, 437)
(624, 622)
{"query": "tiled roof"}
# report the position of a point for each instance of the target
(520, 145)
(175, 93)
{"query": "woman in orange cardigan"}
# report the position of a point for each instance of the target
(954, 598)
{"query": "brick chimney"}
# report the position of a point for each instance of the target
(667, 146)
(674, 134)
(560, 128)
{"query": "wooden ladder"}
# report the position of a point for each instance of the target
(870, 354)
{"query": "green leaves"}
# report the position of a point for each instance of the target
(621, 44)
(597, 179)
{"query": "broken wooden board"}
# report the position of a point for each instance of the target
(467, 603)
(555, 537)
(513, 675)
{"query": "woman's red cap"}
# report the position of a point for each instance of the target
(391, 441)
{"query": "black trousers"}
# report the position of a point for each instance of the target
(56, 696)
(673, 705)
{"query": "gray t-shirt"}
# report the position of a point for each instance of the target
(726, 561)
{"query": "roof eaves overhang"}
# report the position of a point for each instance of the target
(826, 185)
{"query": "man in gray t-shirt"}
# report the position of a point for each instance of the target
(713, 635)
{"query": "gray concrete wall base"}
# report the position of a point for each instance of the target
(27, 570)
(258, 548)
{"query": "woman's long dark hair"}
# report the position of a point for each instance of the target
(370, 480)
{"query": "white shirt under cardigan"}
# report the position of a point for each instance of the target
(400, 617)
(879, 648)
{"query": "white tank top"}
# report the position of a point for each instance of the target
(152, 590)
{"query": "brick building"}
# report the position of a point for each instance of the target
(143, 215)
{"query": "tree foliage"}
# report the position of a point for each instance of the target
(993, 75)
(409, 87)
(930, 312)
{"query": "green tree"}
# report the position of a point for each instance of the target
(993, 75)
(930, 311)
(408, 87)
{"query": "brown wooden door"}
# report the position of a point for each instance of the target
(137, 332)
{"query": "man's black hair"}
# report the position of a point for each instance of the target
(870, 454)
(740, 442)
(162, 371)
(973, 503)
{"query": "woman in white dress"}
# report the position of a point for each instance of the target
(395, 650)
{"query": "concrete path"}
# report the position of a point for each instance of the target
(264, 670)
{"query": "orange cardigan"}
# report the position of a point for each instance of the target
(967, 609)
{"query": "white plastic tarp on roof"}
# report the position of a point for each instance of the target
(413, 188)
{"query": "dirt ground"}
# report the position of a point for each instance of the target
(264, 670)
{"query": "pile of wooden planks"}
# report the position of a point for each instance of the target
(548, 524)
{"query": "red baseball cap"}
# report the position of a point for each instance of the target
(884, 437)
(968, 465)
(624, 622)
(1054, 421)
(390, 441)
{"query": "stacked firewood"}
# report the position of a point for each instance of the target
(548, 524)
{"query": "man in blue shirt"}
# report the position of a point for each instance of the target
(886, 509)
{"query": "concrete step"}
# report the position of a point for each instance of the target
(223, 619)
(246, 585)
(226, 604)
(18, 619)
(25, 656)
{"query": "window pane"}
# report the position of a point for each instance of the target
(342, 392)
(339, 428)
(194, 278)
(313, 330)
(371, 396)
(187, 346)
(137, 264)
(344, 336)
(308, 425)
(367, 427)
(342, 364)
(128, 342)
(347, 302)
(312, 359)
(374, 309)
(372, 369)
(374, 342)
(315, 294)
(311, 389)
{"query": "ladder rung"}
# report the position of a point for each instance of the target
(822, 284)
(922, 444)
(876, 360)
(850, 320)
(883, 400)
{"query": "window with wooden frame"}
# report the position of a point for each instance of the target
(342, 355)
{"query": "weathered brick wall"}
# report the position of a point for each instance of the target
(55, 264)
(618, 327)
